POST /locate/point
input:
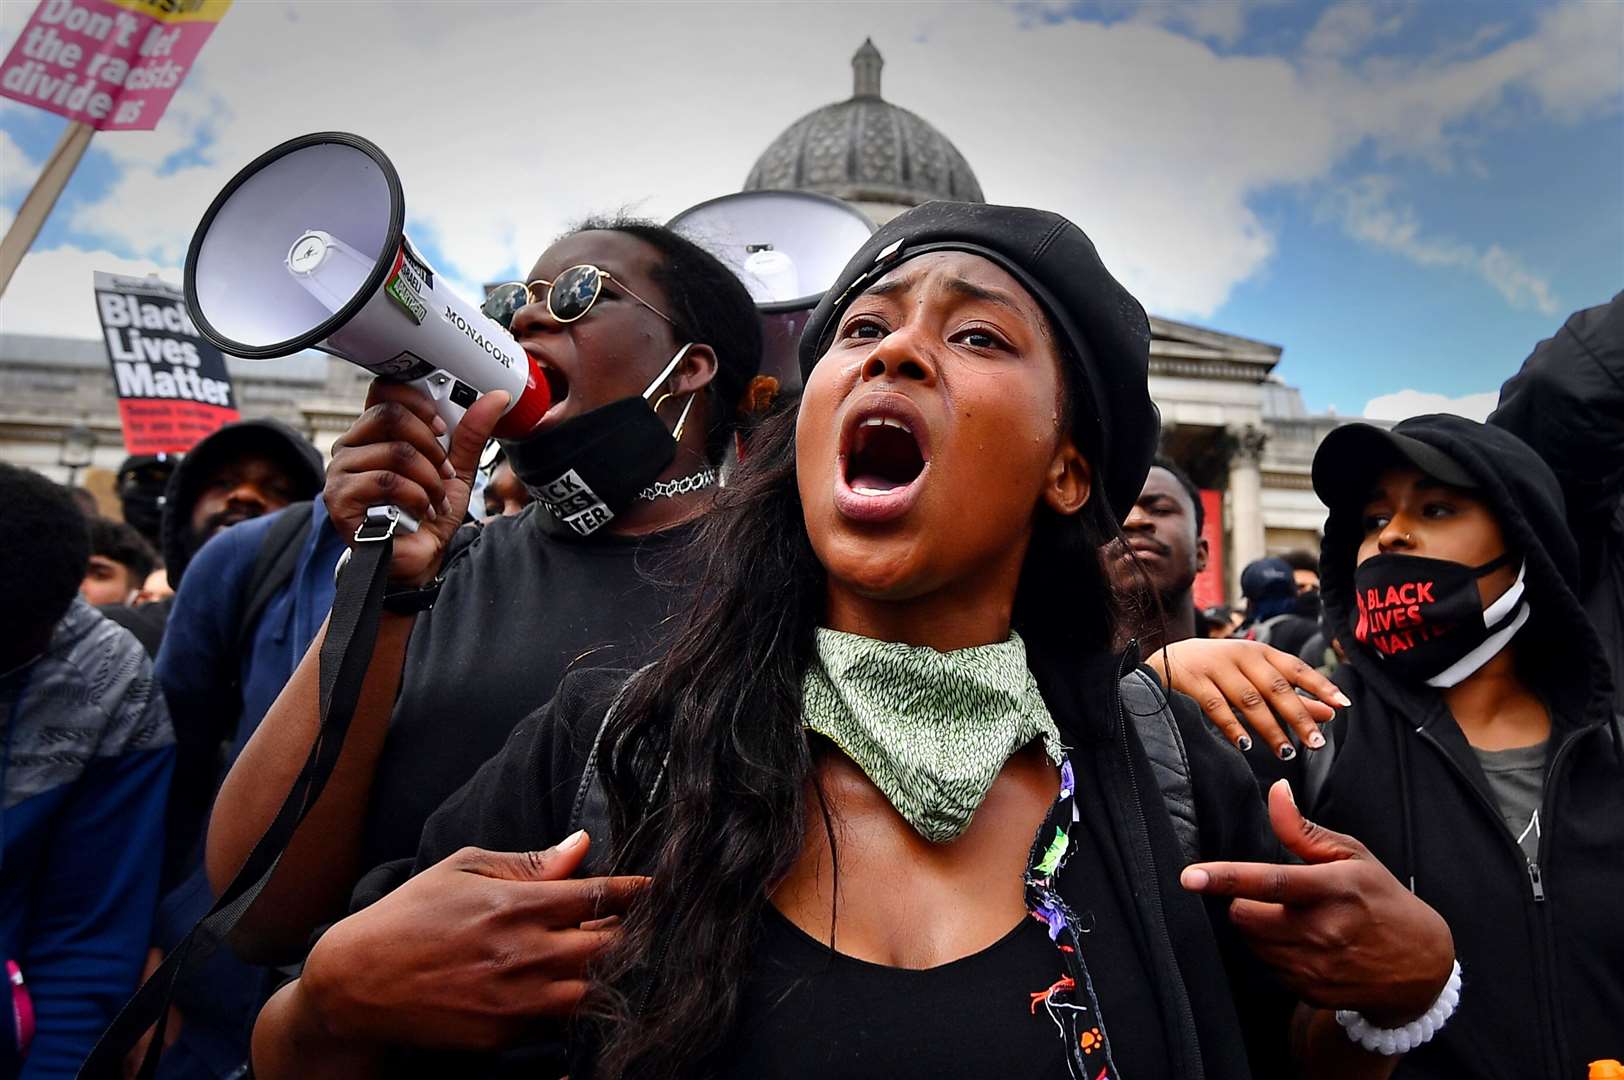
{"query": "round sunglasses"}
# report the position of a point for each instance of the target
(568, 297)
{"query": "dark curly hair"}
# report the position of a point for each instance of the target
(120, 542)
(46, 547)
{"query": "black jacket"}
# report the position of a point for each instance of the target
(1540, 942)
(1567, 402)
(1215, 1000)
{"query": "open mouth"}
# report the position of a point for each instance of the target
(558, 384)
(883, 457)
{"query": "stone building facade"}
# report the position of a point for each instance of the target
(1227, 419)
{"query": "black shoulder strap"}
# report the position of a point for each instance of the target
(1159, 733)
(589, 809)
(346, 652)
(273, 566)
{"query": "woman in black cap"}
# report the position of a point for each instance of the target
(1479, 759)
(895, 818)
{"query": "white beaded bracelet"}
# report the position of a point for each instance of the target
(1394, 1041)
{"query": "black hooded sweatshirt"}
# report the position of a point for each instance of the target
(1567, 403)
(272, 438)
(1540, 941)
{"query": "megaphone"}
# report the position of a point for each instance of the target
(787, 247)
(304, 249)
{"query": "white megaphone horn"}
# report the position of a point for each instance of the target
(787, 247)
(304, 249)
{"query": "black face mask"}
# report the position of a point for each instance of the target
(589, 468)
(1425, 619)
(1308, 604)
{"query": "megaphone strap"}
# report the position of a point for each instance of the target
(352, 632)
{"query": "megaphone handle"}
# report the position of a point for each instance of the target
(441, 388)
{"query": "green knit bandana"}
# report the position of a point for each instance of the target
(931, 729)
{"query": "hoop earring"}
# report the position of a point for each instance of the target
(682, 418)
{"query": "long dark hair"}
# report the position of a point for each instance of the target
(715, 727)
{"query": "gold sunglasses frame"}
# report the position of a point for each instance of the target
(533, 295)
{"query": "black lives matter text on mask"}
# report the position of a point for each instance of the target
(173, 387)
(1392, 620)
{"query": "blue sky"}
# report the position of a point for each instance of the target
(1405, 195)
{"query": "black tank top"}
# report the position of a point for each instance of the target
(808, 1013)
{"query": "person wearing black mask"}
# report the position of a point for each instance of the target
(1477, 759)
(141, 481)
(647, 343)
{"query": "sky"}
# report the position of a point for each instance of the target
(1404, 195)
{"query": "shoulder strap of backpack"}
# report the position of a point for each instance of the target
(589, 809)
(1264, 630)
(1159, 733)
(273, 566)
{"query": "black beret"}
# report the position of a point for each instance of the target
(1117, 427)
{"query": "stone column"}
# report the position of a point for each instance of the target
(1246, 542)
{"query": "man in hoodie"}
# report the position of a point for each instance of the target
(253, 566)
(1477, 760)
(241, 472)
(1567, 402)
(87, 750)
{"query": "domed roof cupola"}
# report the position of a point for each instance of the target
(867, 151)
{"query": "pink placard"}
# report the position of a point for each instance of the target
(112, 64)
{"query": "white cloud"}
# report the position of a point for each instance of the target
(1406, 403)
(509, 122)
(1347, 28)
(1366, 211)
(1222, 22)
(51, 292)
(17, 170)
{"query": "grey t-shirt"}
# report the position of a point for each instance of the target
(1517, 779)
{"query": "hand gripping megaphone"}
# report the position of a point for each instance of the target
(304, 249)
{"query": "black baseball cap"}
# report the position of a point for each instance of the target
(1351, 457)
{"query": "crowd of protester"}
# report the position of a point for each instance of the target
(750, 774)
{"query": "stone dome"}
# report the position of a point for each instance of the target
(866, 150)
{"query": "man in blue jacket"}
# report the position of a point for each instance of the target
(250, 598)
(84, 776)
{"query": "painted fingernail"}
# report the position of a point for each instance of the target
(430, 514)
(438, 425)
(1287, 752)
(448, 470)
(1244, 742)
(1315, 740)
(1292, 795)
(1342, 700)
(572, 840)
(1194, 878)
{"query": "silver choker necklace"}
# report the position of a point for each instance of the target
(665, 489)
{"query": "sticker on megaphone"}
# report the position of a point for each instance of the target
(304, 249)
